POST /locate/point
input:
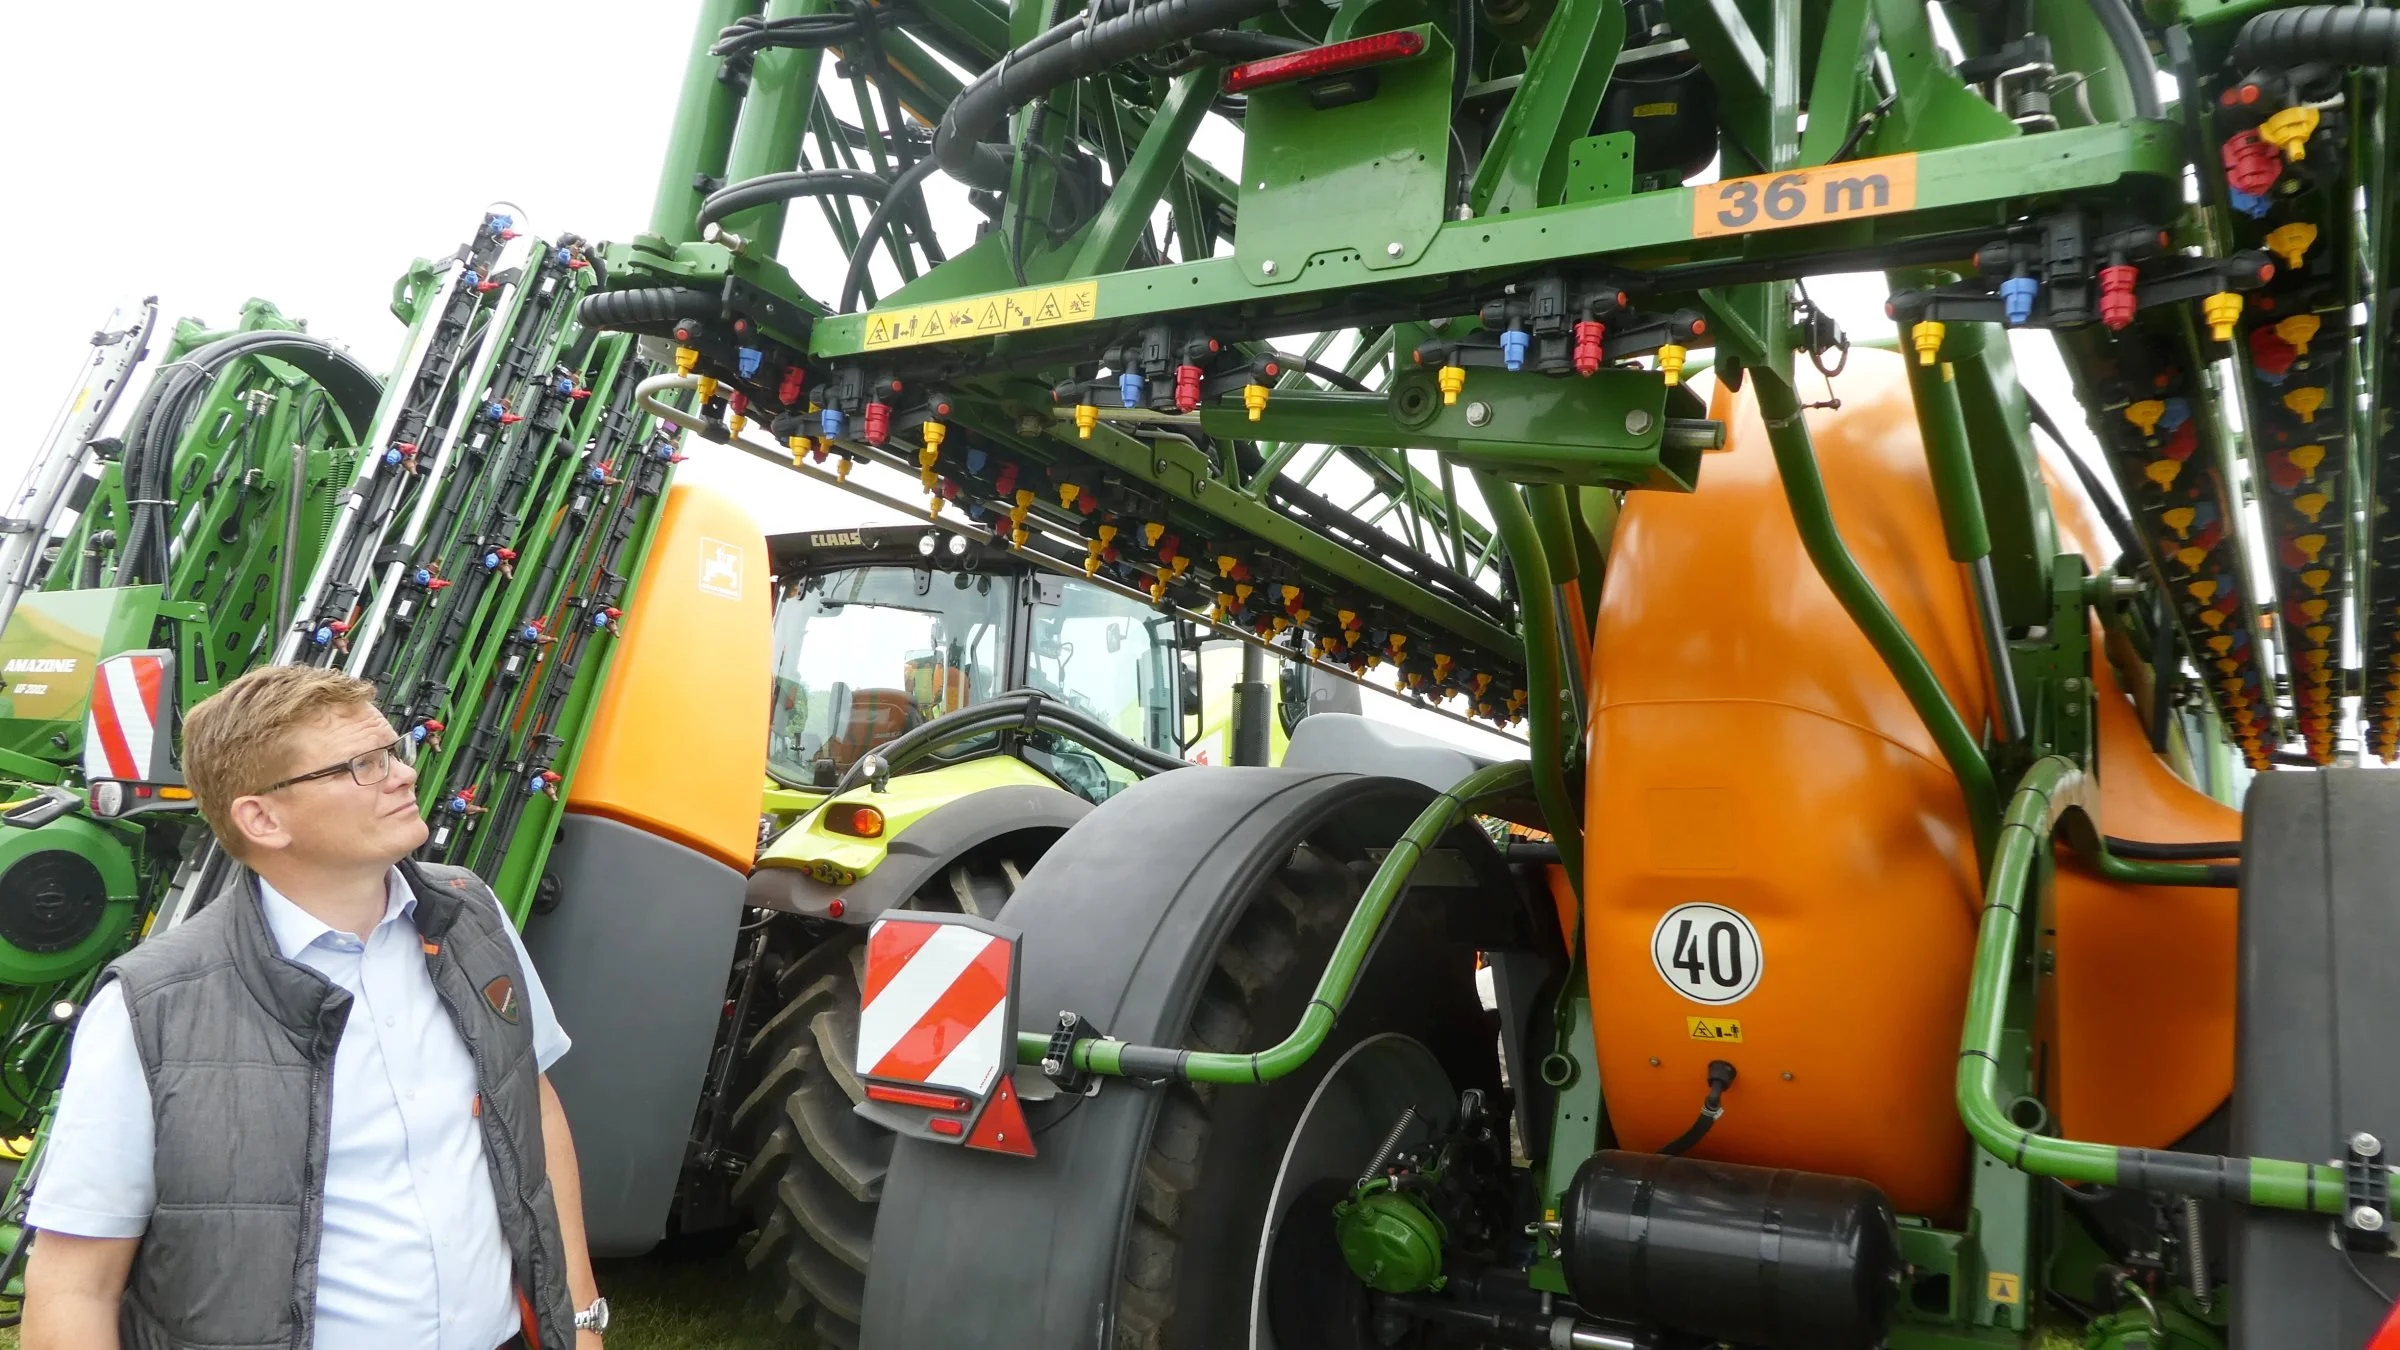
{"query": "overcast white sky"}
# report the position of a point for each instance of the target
(304, 152)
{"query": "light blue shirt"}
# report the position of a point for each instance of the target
(412, 1257)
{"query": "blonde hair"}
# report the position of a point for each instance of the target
(237, 741)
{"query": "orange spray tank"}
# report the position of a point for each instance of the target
(1779, 870)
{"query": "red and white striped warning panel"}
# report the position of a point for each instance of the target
(121, 731)
(937, 1031)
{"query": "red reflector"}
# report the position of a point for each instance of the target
(1327, 60)
(931, 1101)
(945, 1125)
(835, 908)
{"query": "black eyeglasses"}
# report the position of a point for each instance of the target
(365, 770)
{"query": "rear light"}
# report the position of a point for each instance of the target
(107, 798)
(859, 822)
(1337, 58)
(945, 1125)
(931, 1101)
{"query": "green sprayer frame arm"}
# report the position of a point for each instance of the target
(1122, 1059)
(2052, 787)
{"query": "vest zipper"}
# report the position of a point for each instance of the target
(312, 1192)
(494, 1135)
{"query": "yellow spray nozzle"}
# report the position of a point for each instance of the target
(1254, 397)
(2291, 243)
(2304, 402)
(2289, 131)
(2220, 311)
(1451, 380)
(1925, 336)
(1087, 416)
(2145, 414)
(685, 359)
(1671, 358)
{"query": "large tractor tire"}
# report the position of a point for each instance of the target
(816, 1168)
(1200, 910)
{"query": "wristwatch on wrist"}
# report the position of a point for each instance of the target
(593, 1318)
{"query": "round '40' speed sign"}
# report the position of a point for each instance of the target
(1707, 953)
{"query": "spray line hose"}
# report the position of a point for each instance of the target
(1160, 1062)
(2051, 788)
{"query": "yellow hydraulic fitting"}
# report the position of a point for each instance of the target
(2304, 402)
(2145, 414)
(2221, 310)
(1925, 336)
(685, 359)
(708, 388)
(1254, 397)
(2299, 330)
(2306, 458)
(1670, 363)
(2289, 131)
(2290, 243)
(1087, 416)
(1451, 380)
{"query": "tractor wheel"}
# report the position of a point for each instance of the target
(1231, 1243)
(816, 1168)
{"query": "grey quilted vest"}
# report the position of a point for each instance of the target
(238, 1046)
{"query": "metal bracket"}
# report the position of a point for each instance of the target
(2366, 1197)
(1058, 1060)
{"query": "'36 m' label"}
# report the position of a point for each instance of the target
(1829, 192)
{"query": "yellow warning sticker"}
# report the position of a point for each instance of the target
(1999, 1288)
(982, 316)
(1714, 1028)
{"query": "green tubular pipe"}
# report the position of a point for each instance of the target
(2051, 787)
(1545, 670)
(1944, 427)
(766, 139)
(1813, 513)
(1554, 522)
(1334, 987)
(703, 131)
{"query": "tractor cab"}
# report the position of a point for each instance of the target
(878, 631)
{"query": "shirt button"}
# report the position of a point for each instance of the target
(391, 1021)
(410, 1094)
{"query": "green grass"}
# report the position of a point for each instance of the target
(679, 1298)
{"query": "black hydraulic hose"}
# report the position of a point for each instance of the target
(2133, 53)
(1243, 45)
(783, 187)
(2118, 526)
(1720, 1077)
(644, 307)
(2149, 852)
(896, 198)
(1082, 46)
(2337, 34)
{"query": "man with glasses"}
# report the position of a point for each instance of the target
(318, 1111)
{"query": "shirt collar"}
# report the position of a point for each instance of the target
(295, 929)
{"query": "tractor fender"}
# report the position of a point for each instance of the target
(1121, 922)
(918, 854)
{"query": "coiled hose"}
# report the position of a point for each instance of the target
(2332, 33)
(173, 399)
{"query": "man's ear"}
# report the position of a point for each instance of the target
(260, 823)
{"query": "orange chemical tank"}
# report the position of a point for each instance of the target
(678, 745)
(1779, 869)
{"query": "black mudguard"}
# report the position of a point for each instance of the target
(1122, 920)
(2315, 1057)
